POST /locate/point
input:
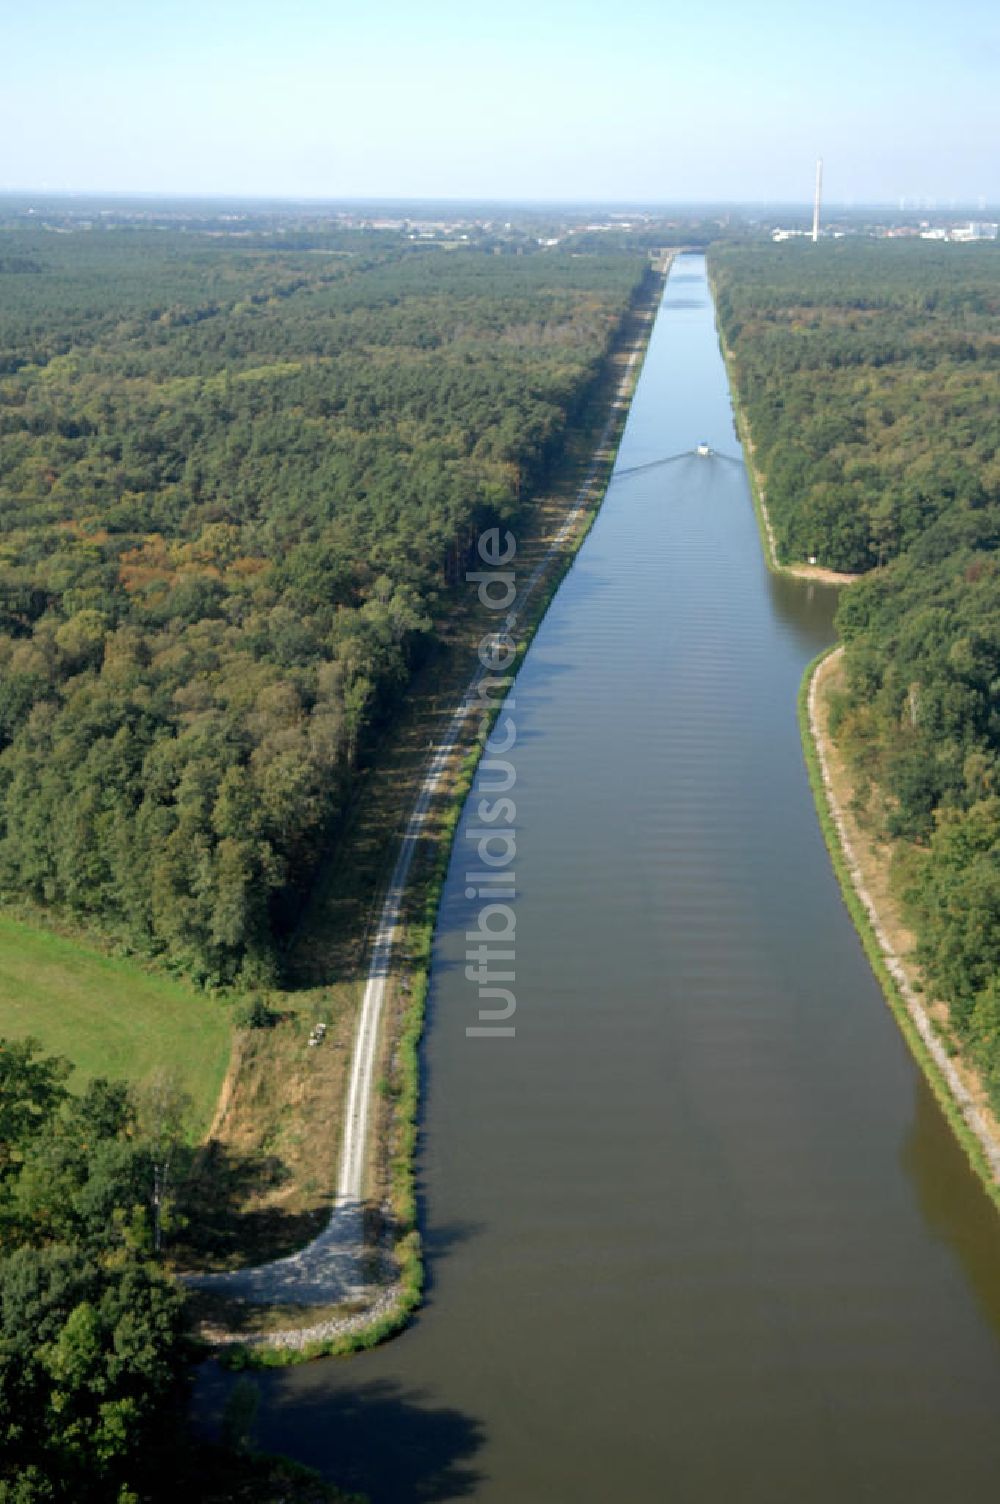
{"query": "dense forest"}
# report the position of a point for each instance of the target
(869, 375)
(239, 485)
(90, 1331)
(95, 1363)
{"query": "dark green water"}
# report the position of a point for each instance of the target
(698, 1233)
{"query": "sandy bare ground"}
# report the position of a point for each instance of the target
(868, 866)
(814, 571)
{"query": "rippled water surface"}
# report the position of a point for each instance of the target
(698, 1233)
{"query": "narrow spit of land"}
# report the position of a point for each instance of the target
(801, 570)
(339, 1284)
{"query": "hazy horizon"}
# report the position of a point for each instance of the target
(480, 201)
(559, 103)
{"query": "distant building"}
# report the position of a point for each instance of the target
(975, 230)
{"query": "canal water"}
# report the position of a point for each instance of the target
(698, 1231)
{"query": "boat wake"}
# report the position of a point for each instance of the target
(701, 452)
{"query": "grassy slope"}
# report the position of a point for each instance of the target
(110, 1017)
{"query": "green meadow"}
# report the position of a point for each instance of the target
(110, 1017)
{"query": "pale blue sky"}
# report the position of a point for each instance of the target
(526, 99)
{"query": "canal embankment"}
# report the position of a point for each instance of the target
(361, 1278)
(862, 864)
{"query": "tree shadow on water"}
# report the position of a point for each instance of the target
(378, 1437)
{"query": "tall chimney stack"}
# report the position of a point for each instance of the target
(819, 190)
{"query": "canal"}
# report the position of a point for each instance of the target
(698, 1231)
